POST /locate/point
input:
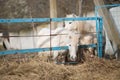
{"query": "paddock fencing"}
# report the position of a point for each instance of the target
(114, 14)
(99, 28)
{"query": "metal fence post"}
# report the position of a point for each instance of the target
(100, 36)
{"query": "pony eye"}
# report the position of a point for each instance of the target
(70, 22)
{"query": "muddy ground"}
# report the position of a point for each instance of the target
(14, 67)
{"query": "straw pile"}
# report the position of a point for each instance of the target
(38, 68)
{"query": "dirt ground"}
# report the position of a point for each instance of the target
(38, 68)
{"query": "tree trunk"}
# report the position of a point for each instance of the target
(53, 12)
(80, 7)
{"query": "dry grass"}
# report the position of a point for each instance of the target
(37, 68)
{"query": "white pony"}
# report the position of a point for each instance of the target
(86, 30)
(60, 37)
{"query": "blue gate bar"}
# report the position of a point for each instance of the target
(41, 49)
(22, 20)
(104, 6)
(74, 19)
(100, 36)
(99, 29)
(109, 5)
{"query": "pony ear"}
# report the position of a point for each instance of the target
(71, 15)
(68, 15)
(74, 15)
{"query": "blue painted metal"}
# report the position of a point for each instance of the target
(21, 20)
(32, 50)
(97, 30)
(99, 37)
(22, 51)
(74, 19)
(104, 6)
(109, 5)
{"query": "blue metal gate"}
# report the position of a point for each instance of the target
(99, 28)
(114, 14)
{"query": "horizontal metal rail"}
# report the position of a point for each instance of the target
(23, 20)
(104, 6)
(22, 51)
(109, 5)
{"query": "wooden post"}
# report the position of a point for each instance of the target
(53, 12)
(109, 25)
(80, 7)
